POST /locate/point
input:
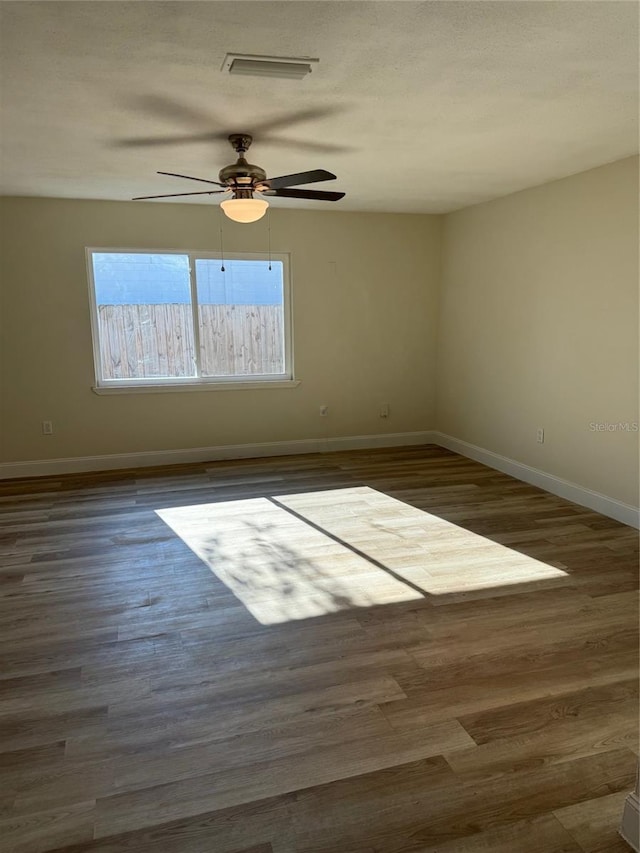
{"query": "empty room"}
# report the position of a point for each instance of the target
(319, 427)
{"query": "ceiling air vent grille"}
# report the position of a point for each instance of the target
(293, 68)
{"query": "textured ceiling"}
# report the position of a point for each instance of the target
(422, 107)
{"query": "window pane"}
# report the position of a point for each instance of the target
(241, 317)
(145, 321)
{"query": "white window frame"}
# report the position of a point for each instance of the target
(190, 383)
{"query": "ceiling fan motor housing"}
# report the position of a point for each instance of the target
(242, 173)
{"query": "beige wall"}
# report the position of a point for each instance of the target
(538, 327)
(364, 297)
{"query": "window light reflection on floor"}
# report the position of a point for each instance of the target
(298, 556)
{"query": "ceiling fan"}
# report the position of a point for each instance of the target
(244, 179)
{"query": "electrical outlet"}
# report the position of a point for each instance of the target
(324, 411)
(47, 428)
(384, 410)
(540, 435)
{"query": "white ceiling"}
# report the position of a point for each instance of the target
(437, 105)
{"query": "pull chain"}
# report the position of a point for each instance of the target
(269, 234)
(221, 245)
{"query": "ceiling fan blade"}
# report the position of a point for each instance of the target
(175, 195)
(312, 194)
(190, 178)
(300, 178)
(146, 141)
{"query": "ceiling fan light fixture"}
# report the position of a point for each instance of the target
(244, 209)
(291, 68)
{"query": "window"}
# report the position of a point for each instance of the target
(178, 319)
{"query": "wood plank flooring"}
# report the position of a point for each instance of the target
(390, 651)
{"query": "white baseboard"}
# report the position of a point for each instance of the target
(80, 464)
(630, 826)
(610, 507)
(625, 513)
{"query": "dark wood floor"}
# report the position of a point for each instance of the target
(369, 652)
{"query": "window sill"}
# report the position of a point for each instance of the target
(162, 388)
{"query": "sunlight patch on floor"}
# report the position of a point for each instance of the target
(298, 556)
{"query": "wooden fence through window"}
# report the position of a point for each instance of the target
(139, 341)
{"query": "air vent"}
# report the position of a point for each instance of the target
(268, 66)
